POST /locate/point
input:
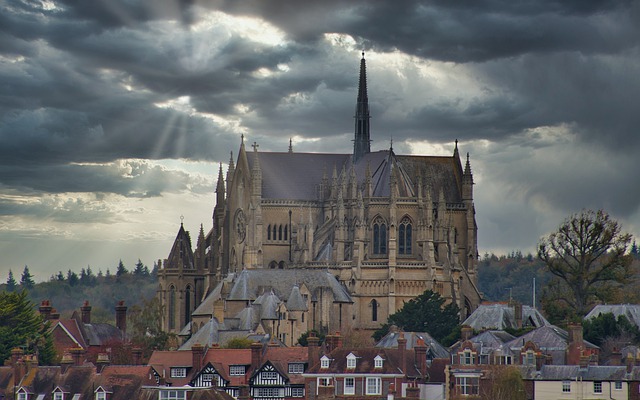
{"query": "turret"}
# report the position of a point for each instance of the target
(467, 182)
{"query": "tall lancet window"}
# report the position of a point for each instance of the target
(404, 236)
(172, 307)
(187, 305)
(379, 236)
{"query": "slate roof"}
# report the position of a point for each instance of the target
(590, 373)
(501, 316)
(295, 302)
(298, 176)
(630, 311)
(435, 349)
(489, 341)
(250, 284)
(365, 362)
(550, 340)
(100, 334)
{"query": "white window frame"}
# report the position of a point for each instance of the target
(172, 395)
(378, 361)
(469, 385)
(597, 387)
(349, 389)
(566, 386)
(270, 375)
(466, 357)
(296, 368)
(237, 370)
(58, 395)
(324, 381)
(268, 392)
(22, 395)
(351, 361)
(324, 362)
(617, 385)
(297, 392)
(178, 372)
(373, 386)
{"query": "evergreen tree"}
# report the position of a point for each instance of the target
(11, 282)
(121, 269)
(72, 278)
(60, 276)
(425, 313)
(140, 269)
(22, 326)
(26, 281)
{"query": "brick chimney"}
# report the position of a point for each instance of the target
(466, 332)
(328, 343)
(77, 354)
(136, 354)
(55, 315)
(197, 355)
(256, 355)
(66, 362)
(121, 318)
(575, 347)
(218, 310)
(517, 313)
(45, 309)
(338, 340)
(102, 361)
(421, 356)
(85, 311)
(616, 357)
(402, 348)
(313, 349)
(19, 369)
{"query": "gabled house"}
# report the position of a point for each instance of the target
(79, 332)
(343, 372)
(501, 316)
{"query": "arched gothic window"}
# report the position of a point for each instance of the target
(172, 307)
(279, 232)
(274, 233)
(269, 232)
(374, 310)
(379, 236)
(285, 232)
(404, 236)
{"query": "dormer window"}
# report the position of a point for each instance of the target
(466, 357)
(179, 372)
(58, 394)
(529, 358)
(101, 394)
(351, 361)
(377, 362)
(22, 394)
(324, 362)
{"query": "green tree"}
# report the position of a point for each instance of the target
(425, 313)
(26, 281)
(121, 270)
(21, 326)
(302, 340)
(11, 282)
(140, 269)
(506, 384)
(588, 256)
(146, 327)
(238, 343)
(606, 326)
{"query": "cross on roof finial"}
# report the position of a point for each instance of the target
(255, 146)
(456, 143)
(181, 219)
(242, 137)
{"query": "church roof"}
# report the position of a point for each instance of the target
(295, 302)
(298, 176)
(252, 283)
(181, 253)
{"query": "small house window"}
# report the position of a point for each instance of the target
(374, 386)
(324, 362)
(597, 387)
(377, 362)
(566, 387)
(237, 370)
(351, 361)
(178, 372)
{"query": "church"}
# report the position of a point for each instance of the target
(331, 242)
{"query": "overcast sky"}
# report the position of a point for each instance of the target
(115, 114)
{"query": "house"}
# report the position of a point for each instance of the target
(630, 311)
(263, 370)
(23, 379)
(79, 332)
(583, 382)
(372, 371)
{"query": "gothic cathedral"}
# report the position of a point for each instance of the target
(343, 239)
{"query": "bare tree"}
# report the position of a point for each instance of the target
(588, 253)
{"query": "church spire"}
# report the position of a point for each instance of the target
(362, 140)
